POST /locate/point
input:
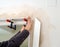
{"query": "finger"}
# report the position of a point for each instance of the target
(28, 18)
(22, 28)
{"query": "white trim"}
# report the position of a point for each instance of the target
(36, 35)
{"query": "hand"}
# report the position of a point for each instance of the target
(28, 25)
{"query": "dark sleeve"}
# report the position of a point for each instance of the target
(15, 35)
(17, 40)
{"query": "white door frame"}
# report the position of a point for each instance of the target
(35, 34)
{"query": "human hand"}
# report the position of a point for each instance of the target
(28, 25)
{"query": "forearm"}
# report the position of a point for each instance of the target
(15, 35)
(15, 41)
(18, 40)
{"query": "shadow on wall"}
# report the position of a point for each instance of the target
(24, 11)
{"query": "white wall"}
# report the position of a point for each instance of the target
(51, 7)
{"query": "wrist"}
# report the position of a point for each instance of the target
(27, 28)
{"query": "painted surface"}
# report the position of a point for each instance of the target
(36, 34)
(48, 14)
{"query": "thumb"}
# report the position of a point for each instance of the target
(22, 28)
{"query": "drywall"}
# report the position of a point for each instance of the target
(48, 15)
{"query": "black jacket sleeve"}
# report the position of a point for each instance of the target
(16, 40)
